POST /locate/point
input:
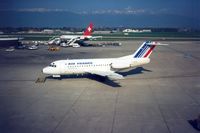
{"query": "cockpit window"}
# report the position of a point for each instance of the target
(52, 65)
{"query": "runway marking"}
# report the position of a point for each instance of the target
(167, 76)
(185, 54)
(115, 111)
(161, 112)
(68, 111)
(16, 80)
(126, 78)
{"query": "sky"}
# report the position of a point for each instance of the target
(103, 13)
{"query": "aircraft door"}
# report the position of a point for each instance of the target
(62, 67)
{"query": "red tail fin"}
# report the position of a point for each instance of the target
(88, 31)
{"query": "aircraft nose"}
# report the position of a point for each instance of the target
(45, 70)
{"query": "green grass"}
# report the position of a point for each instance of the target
(120, 36)
(156, 34)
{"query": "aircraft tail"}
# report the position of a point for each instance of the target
(88, 30)
(145, 50)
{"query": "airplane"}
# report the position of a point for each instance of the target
(73, 39)
(104, 67)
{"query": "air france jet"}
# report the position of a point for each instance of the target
(105, 67)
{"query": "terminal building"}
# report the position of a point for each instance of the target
(7, 42)
(135, 30)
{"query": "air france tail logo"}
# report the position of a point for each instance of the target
(144, 51)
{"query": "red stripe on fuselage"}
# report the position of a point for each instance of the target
(153, 46)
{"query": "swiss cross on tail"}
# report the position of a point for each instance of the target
(88, 31)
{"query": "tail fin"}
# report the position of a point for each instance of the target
(146, 49)
(88, 31)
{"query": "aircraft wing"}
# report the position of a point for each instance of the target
(96, 37)
(109, 74)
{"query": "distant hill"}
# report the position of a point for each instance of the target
(70, 19)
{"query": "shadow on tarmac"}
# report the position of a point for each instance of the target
(138, 70)
(104, 80)
(194, 124)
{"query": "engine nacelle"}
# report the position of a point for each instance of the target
(120, 65)
(139, 62)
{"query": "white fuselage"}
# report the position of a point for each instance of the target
(81, 66)
(105, 67)
(78, 37)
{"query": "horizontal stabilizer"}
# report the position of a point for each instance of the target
(156, 43)
(146, 49)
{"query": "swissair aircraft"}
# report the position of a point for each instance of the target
(72, 39)
(86, 35)
(105, 67)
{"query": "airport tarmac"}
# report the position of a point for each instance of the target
(160, 97)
